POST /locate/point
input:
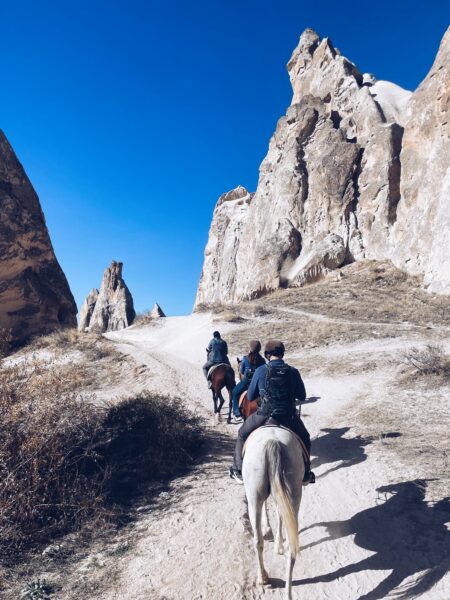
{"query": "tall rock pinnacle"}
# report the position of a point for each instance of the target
(34, 294)
(111, 308)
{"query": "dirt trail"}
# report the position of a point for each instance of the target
(197, 545)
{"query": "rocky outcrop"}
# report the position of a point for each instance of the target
(422, 230)
(331, 187)
(87, 310)
(111, 308)
(324, 256)
(35, 297)
(219, 271)
(157, 312)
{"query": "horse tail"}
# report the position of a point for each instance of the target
(281, 493)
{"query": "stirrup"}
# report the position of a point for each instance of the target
(310, 479)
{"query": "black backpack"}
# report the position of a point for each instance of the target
(279, 391)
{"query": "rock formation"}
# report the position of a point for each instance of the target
(111, 308)
(157, 312)
(219, 268)
(35, 297)
(336, 182)
(87, 310)
(422, 230)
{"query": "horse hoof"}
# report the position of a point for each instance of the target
(264, 579)
(229, 421)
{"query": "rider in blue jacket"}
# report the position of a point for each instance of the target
(278, 385)
(247, 368)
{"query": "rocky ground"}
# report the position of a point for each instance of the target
(374, 526)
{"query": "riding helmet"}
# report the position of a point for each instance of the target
(274, 347)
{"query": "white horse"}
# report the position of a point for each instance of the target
(273, 465)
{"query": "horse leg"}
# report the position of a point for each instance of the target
(290, 562)
(266, 528)
(222, 400)
(279, 547)
(230, 404)
(254, 512)
(214, 397)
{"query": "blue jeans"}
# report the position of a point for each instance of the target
(240, 387)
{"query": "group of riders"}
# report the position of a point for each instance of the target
(275, 385)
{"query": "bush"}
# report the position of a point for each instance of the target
(5, 342)
(65, 461)
(431, 360)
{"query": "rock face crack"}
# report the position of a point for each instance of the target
(395, 173)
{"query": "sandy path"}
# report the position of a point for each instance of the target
(197, 544)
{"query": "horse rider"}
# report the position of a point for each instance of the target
(278, 385)
(217, 352)
(247, 368)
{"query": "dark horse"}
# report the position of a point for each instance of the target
(222, 376)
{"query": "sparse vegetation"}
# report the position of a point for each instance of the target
(230, 316)
(36, 590)
(65, 461)
(5, 342)
(430, 360)
(368, 292)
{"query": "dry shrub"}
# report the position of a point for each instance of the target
(145, 318)
(430, 360)
(5, 342)
(229, 316)
(93, 345)
(202, 307)
(65, 461)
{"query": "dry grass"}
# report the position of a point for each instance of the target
(5, 342)
(65, 461)
(430, 360)
(229, 316)
(367, 291)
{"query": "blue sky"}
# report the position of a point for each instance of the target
(131, 118)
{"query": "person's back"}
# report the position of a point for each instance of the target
(278, 385)
(217, 352)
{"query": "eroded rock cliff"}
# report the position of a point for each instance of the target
(422, 230)
(35, 297)
(336, 182)
(112, 307)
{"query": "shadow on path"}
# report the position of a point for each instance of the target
(333, 447)
(408, 536)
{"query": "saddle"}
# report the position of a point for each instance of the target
(246, 407)
(273, 423)
(214, 367)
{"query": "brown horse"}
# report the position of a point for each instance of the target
(222, 376)
(246, 407)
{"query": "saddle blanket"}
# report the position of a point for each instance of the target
(303, 447)
(214, 367)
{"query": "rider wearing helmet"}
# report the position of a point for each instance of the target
(278, 385)
(247, 369)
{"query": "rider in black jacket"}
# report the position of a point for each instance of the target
(279, 386)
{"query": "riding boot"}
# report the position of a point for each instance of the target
(309, 476)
